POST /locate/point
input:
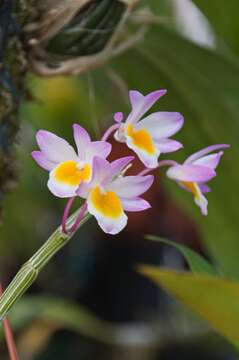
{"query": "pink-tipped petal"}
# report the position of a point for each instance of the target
(55, 148)
(168, 145)
(190, 173)
(205, 151)
(136, 98)
(204, 188)
(135, 204)
(202, 202)
(102, 173)
(141, 104)
(42, 161)
(83, 190)
(108, 224)
(116, 167)
(97, 148)
(132, 186)
(112, 227)
(149, 160)
(211, 160)
(60, 189)
(100, 167)
(162, 124)
(82, 139)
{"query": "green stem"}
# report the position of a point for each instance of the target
(30, 270)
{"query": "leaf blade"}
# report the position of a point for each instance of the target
(196, 262)
(214, 299)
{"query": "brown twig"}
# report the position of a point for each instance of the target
(12, 350)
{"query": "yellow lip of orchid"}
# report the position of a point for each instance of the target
(109, 194)
(72, 173)
(106, 203)
(68, 168)
(141, 139)
(192, 187)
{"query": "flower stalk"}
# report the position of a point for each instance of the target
(30, 270)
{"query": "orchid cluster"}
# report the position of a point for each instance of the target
(105, 186)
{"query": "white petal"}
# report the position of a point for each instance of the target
(135, 204)
(201, 201)
(83, 190)
(102, 173)
(108, 225)
(141, 104)
(100, 167)
(131, 186)
(61, 189)
(150, 161)
(168, 145)
(210, 161)
(42, 161)
(162, 124)
(55, 148)
(136, 98)
(190, 173)
(97, 148)
(82, 139)
(115, 168)
(205, 151)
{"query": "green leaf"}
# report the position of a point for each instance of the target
(66, 314)
(215, 299)
(223, 16)
(203, 86)
(196, 262)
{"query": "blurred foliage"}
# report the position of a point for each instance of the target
(60, 313)
(212, 298)
(223, 17)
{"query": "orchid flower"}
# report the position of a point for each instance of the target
(68, 169)
(148, 137)
(110, 193)
(196, 171)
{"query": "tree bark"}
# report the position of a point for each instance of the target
(12, 75)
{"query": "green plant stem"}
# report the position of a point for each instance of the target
(30, 270)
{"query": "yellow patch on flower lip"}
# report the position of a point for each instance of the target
(141, 139)
(192, 187)
(69, 173)
(107, 203)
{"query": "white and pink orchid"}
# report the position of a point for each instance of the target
(149, 137)
(68, 168)
(196, 171)
(107, 190)
(109, 194)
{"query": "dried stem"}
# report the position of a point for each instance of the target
(12, 349)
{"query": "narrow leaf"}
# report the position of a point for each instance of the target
(196, 262)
